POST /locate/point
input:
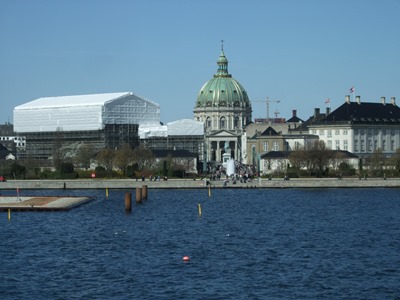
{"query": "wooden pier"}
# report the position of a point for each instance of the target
(34, 203)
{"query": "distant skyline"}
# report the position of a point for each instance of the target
(300, 52)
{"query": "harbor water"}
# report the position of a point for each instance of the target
(239, 243)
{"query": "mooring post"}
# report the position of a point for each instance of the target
(144, 192)
(138, 195)
(128, 202)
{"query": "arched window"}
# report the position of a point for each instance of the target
(208, 123)
(222, 123)
(236, 122)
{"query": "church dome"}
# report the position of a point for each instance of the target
(222, 90)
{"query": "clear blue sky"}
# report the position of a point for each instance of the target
(300, 52)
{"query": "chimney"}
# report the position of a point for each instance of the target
(358, 99)
(316, 112)
(328, 111)
(383, 101)
(294, 113)
(393, 100)
(347, 98)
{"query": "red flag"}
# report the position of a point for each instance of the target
(351, 89)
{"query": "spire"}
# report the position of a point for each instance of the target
(222, 64)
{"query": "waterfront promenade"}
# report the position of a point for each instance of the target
(195, 184)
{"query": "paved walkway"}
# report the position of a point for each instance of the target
(40, 203)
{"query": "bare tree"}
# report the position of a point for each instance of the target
(376, 163)
(106, 158)
(84, 155)
(123, 157)
(337, 159)
(298, 159)
(143, 157)
(58, 153)
(395, 160)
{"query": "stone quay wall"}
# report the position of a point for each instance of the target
(196, 184)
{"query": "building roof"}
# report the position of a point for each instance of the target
(184, 127)
(84, 112)
(294, 119)
(286, 154)
(365, 112)
(270, 132)
(180, 153)
(275, 154)
(68, 101)
(4, 152)
(222, 89)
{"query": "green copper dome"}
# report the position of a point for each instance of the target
(222, 90)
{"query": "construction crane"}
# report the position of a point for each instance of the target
(267, 101)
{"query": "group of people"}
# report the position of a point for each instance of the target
(153, 178)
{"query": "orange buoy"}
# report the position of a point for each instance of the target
(186, 258)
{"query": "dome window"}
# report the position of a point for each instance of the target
(208, 103)
(234, 91)
(222, 91)
(211, 91)
(222, 103)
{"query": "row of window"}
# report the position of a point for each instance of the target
(371, 145)
(222, 123)
(11, 138)
(370, 131)
(337, 145)
(266, 148)
(329, 132)
(374, 131)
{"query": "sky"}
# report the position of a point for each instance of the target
(297, 52)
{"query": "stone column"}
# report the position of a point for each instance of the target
(236, 151)
(218, 153)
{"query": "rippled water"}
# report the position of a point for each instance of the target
(248, 244)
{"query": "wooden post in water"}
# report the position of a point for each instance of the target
(138, 195)
(144, 192)
(128, 202)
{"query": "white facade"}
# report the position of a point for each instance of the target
(335, 137)
(182, 127)
(84, 112)
(299, 141)
(361, 140)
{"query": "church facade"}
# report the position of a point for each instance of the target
(225, 109)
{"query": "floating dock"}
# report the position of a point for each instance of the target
(39, 203)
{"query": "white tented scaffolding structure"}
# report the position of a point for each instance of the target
(185, 134)
(84, 112)
(100, 120)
